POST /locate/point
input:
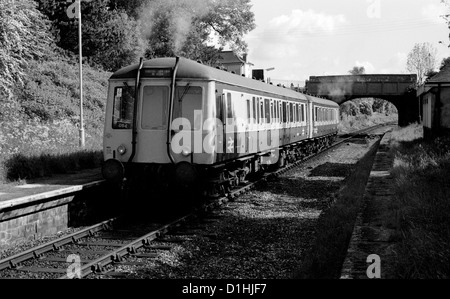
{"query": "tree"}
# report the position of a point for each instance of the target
(184, 27)
(111, 38)
(116, 32)
(357, 70)
(230, 20)
(23, 37)
(422, 60)
(349, 109)
(444, 62)
(132, 8)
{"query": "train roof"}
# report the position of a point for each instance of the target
(322, 101)
(189, 69)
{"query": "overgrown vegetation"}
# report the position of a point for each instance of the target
(41, 125)
(363, 113)
(421, 207)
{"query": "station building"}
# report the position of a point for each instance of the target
(434, 97)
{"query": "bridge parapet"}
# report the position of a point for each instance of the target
(343, 88)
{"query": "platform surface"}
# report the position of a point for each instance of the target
(15, 193)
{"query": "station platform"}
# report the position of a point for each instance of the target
(16, 193)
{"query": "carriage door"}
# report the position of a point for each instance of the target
(248, 124)
(230, 131)
(220, 129)
(268, 107)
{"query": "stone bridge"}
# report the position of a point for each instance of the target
(397, 89)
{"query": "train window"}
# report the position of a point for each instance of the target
(255, 109)
(155, 108)
(219, 110)
(291, 112)
(267, 110)
(284, 111)
(229, 106)
(296, 112)
(277, 108)
(303, 112)
(280, 112)
(272, 112)
(249, 111)
(258, 119)
(123, 107)
(300, 114)
(316, 114)
(261, 113)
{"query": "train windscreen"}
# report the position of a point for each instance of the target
(155, 107)
(123, 107)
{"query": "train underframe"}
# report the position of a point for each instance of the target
(223, 179)
(185, 178)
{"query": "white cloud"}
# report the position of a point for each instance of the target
(435, 12)
(306, 22)
(281, 36)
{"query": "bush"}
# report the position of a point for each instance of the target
(349, 109)
(20, 167)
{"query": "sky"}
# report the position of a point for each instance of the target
(302, 38)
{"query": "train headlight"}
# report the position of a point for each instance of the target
(186, 152)
(122, 150)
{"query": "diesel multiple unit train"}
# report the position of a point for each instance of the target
(176, 123)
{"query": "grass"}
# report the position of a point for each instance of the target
(420, 209)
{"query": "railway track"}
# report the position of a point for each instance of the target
(99, 249)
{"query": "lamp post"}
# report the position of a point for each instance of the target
(74, 11)
(82, 140)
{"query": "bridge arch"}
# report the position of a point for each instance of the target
(397, 89)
